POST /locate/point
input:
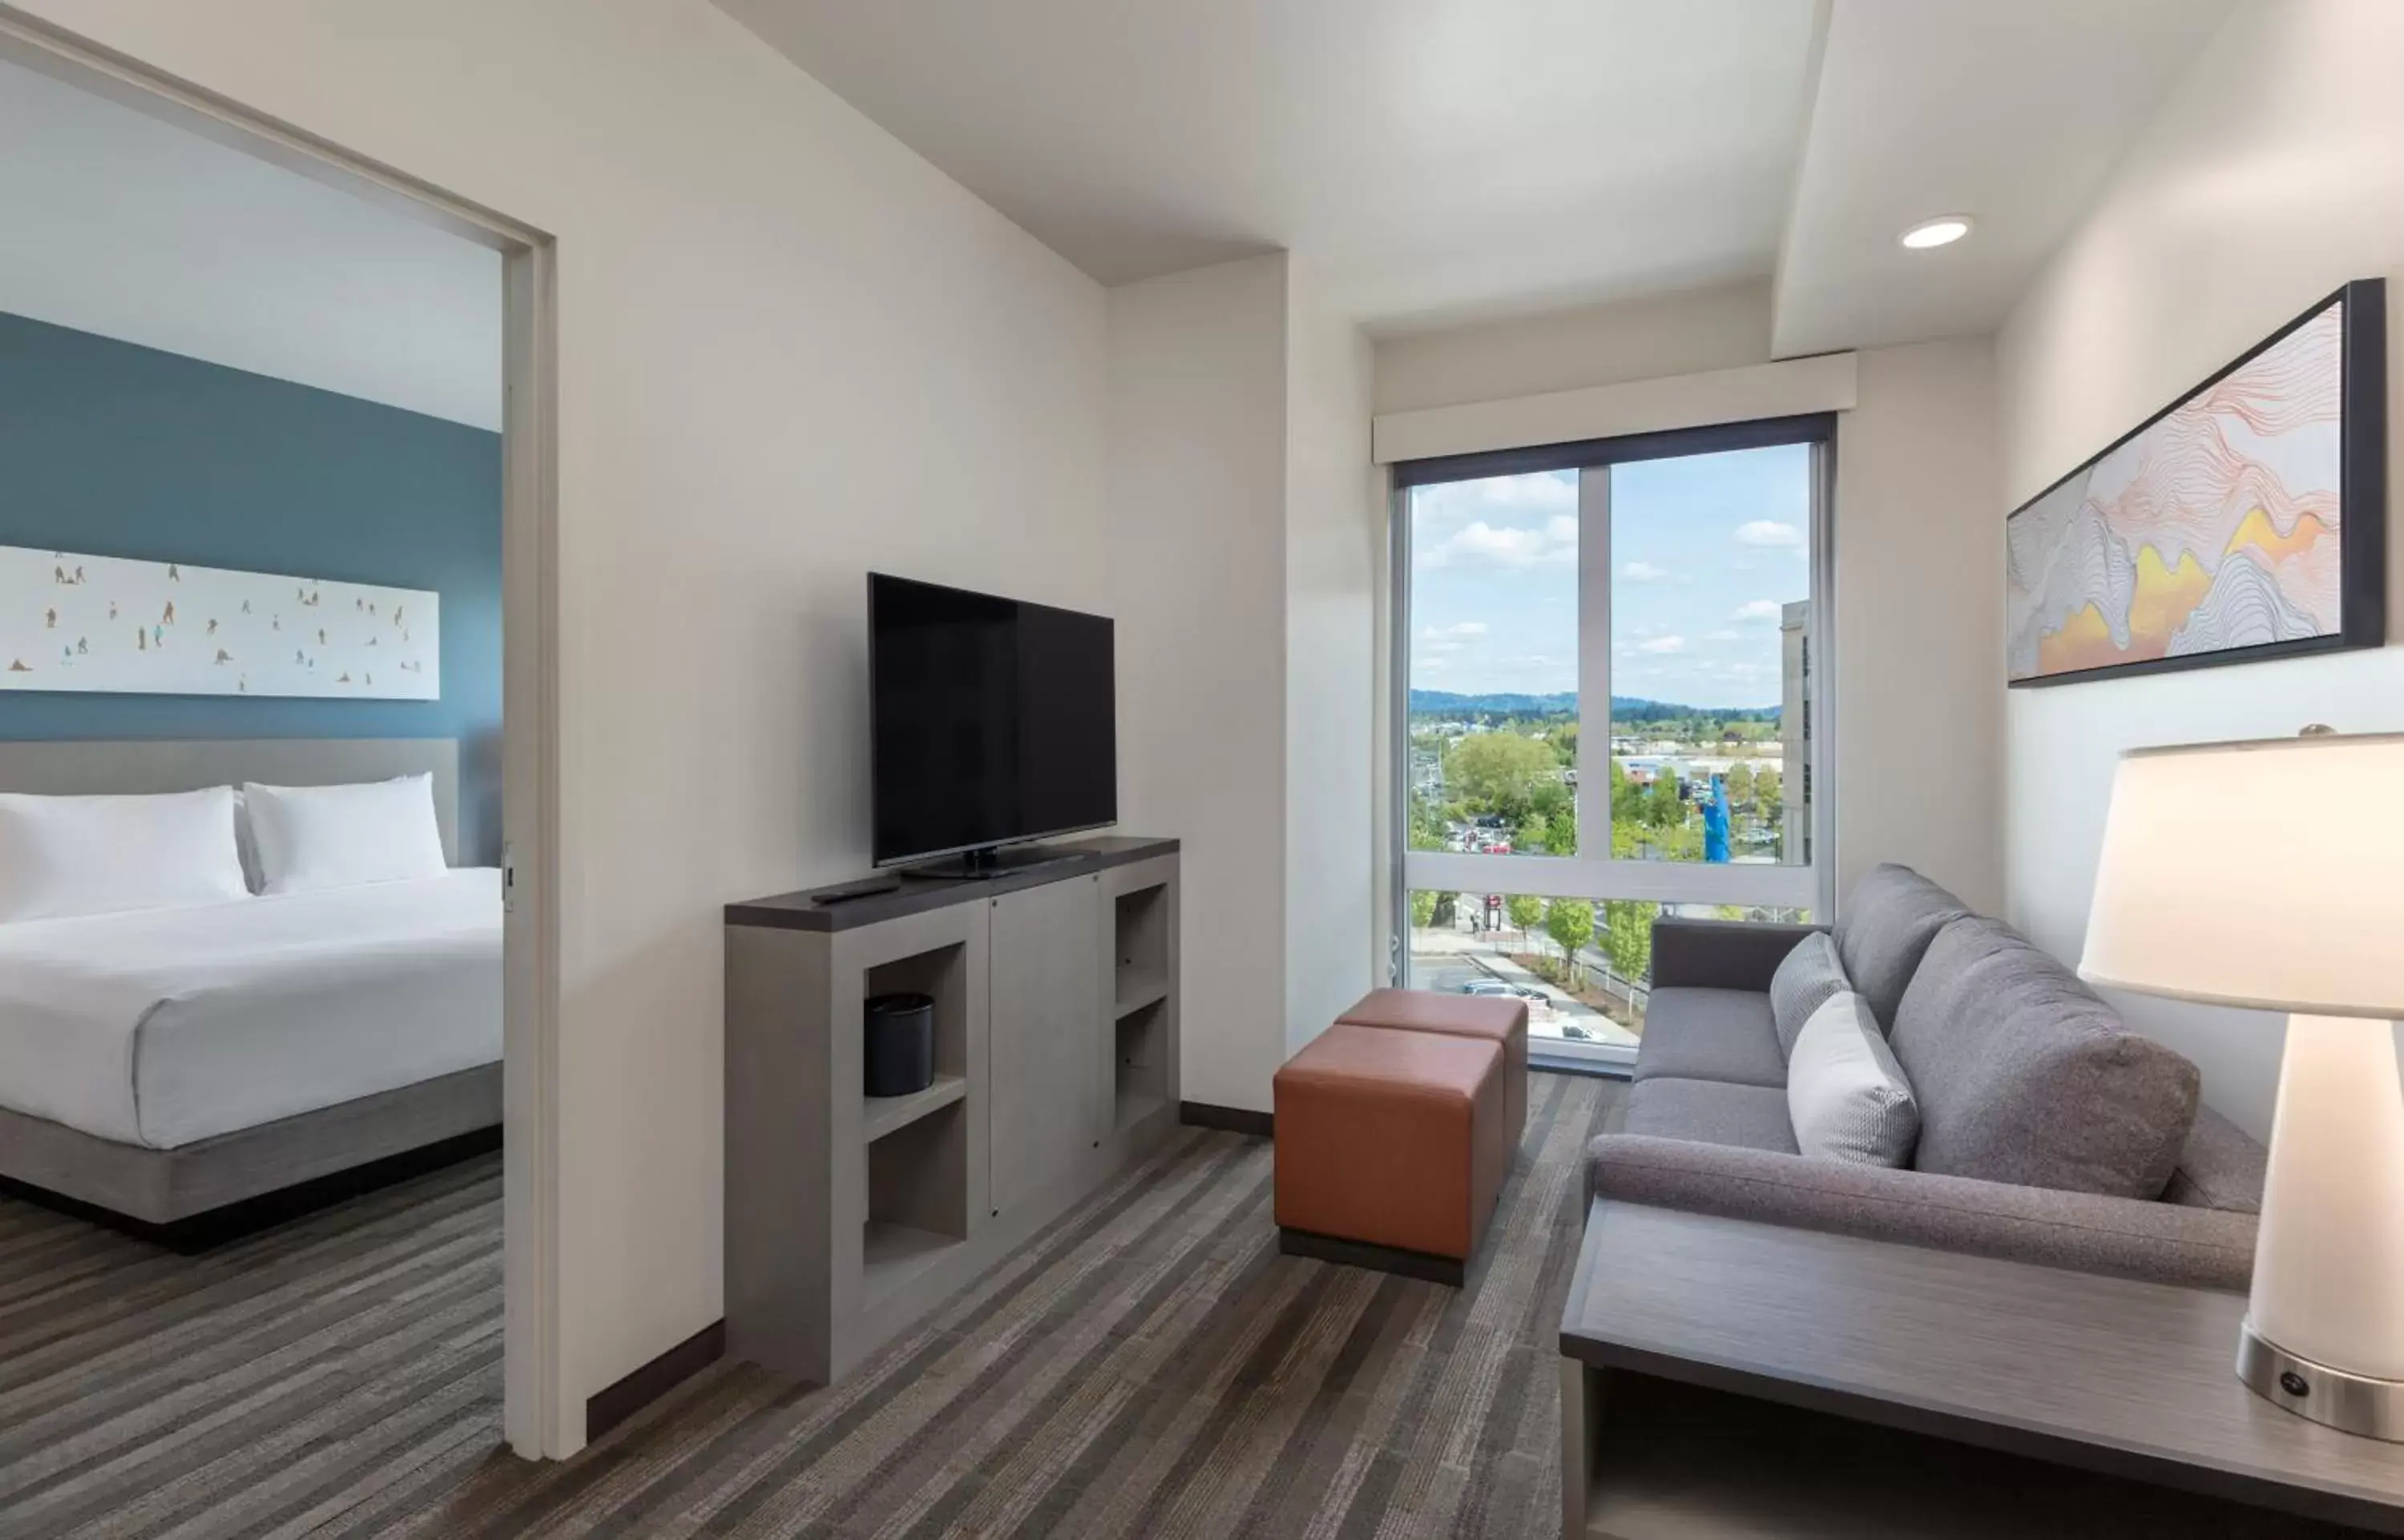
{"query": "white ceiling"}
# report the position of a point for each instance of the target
(2012, 111)
(1444, 160)
(118, 224)
(1433, 160)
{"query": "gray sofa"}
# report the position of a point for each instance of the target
(2049, 1132)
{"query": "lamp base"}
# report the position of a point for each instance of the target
(2350, 1403)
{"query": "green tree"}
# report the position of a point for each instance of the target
(1423, 910)
(1535, 833)
(1526, 912)
(1663, 807)
(1565, 745)
(1739, 784)
(1502, 770)
(1769, 794)
(1628, 941)
(1570, 924)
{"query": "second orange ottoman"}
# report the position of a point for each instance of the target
(1392, 1148)
(1496, 1019)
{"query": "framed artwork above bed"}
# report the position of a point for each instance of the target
(2246, 520)
(109, 624)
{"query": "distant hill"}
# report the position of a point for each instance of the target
(1631, 709)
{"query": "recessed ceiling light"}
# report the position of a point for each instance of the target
(1943, 231)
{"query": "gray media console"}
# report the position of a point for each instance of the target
(848, 1217)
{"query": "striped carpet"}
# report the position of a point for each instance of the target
(1150, 1365)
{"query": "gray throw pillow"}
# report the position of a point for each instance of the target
(1804, 981)
(1884, 928)
(1845, 1093)
(2024, 1075)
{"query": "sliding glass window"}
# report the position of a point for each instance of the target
(1611, 660)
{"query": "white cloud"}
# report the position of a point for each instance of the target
(1663, 644)
(1482, 544)
(1769, 532)
(1722, 636)
(1759, 609)
(1643, 573)
(1460, 629)
(1440, 509)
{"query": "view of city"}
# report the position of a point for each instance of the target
(1498, 775)
(1705, 567)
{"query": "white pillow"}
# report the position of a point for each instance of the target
(61, 856)
(313, 837)
(1845, 1093)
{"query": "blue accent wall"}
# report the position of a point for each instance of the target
(115, 449)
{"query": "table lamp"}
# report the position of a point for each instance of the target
(2270, 875)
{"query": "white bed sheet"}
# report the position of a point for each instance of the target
(166, 1026)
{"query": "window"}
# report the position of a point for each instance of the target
(1607, 660)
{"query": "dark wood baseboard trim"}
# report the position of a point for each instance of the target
(1235, 1120)
(611, 1405)
(1447, 1270)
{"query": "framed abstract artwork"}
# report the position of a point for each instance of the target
(2247, 520)
(109, 624)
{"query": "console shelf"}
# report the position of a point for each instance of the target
(886, 1113)
(848, 1217)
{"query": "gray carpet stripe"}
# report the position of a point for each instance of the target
(1147, 1366)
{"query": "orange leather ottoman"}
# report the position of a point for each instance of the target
(1493, 1017)
(1391, 1147)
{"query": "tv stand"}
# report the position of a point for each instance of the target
(986, 864)
(849, 1217)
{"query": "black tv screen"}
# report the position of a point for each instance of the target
(990, 721)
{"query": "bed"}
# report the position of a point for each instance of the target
(164, 1063)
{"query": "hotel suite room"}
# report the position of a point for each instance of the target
(1344, 363)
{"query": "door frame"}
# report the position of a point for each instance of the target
(534, 1412)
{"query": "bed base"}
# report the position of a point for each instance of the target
(172, 1187)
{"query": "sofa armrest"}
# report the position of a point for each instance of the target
(2158, 1243)
(1721, 954)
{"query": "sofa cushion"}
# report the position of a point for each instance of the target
(2024, 1075)
(1845, 1093)
(1889, 919)
(1711, 1111)
(2221, 1167)
(1805, 980)
(1710, 1034)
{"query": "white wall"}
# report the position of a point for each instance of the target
(2269, 178)
(1335, 524)
(1920, 620)
(1197, 561)
(1693, 334)
(1919, 544)
(789, 351)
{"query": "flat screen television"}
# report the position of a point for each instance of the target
(991, 721)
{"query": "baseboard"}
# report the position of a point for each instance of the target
(1235, 1120)
(1451, 1271)
(611, 1405)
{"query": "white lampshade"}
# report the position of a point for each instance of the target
(2267, 874)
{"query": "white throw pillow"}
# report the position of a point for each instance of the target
(62, 856)
(1845, 1093)
(313, 837)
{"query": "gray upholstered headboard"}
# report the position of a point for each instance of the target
(123, 767)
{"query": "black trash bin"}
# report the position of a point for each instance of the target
(900, 1046)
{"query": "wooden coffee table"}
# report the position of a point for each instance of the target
(1730, 1379)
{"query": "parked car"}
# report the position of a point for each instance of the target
(1487, 987)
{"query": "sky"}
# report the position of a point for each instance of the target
(1704, 549)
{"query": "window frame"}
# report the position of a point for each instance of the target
(1810, 884)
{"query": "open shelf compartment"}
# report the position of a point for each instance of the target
(1141, 1064)
(1139, 940)
(918, 1146)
